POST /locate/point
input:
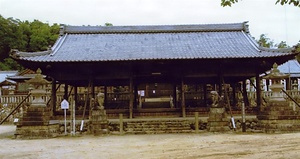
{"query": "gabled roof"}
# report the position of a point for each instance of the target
(23, 75)
(170, 42)
(5, 74)
(7, 82)
(291, 67)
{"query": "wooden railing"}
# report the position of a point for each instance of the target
(11, 100)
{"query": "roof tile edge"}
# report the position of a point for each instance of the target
(16, 54)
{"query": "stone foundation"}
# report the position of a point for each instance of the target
(279, 117)
(217, 120)
(35, 124)
(99, 122)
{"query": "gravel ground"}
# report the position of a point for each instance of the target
(188, 146)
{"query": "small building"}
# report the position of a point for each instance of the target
(6, 85)
(154, 70)
(291, 68)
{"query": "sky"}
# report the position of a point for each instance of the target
(279, 23)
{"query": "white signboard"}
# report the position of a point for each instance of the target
(64, 104)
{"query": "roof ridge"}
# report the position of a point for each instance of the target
(154, 28)
(283, 50)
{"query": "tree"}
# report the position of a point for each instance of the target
(264, 41)
(24, 36)
(296, 3)
(282, 44)
(108, 24)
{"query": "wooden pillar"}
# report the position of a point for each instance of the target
(234, 101)
(92, 89)
(220, 84)
(258, 91)
(175, 95)
(105, 96)
(76, 96)
(183, 99)
(245, 96)
(66, 92)
(205, 94)
(267, 84)
(53, 96)
(288, 83)
(135, 95)
(131, 96)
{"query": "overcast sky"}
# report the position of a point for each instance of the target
(280, 23)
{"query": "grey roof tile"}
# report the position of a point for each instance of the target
(152, 43)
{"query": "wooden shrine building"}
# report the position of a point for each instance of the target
(155, 63)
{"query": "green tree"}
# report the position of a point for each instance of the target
(108, 24)
(24, 36)
(264, 41)
(229, 3)
(7, 28)
(282, 44)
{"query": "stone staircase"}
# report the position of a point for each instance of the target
(158, 126)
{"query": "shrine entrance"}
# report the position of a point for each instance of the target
(156, 95)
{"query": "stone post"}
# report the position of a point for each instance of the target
(217, 120)
(99, 122)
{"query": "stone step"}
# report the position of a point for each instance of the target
(157, 127)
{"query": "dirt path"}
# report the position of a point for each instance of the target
(188, 146)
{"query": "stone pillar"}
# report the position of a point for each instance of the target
(217, 120)
(99, 122)
(35, 121)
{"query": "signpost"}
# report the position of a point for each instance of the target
(65, 105)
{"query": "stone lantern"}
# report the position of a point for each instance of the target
(37, 89)
(278, 116)
(35, 121)
(276, 76)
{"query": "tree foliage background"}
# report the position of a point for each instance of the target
(24, 36)
(296, 3)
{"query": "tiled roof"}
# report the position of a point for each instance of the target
(291, 67)
(127, 43)
(5, 74)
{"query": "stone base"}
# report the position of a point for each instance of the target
(279, 126)
(217, 120)
(37, 132)
(279, 117)
(99, 122)
(279, 110)
(35, 124)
